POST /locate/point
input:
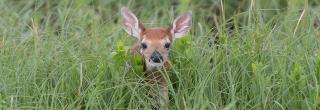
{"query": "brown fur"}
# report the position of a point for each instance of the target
(156, 34)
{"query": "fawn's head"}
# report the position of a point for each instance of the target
(155, 42)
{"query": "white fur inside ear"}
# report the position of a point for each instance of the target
(130, 22)
(181, 25)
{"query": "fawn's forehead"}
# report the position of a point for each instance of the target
(156, 35)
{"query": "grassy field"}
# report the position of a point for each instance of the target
(240, 54)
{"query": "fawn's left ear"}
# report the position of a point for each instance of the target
(181, 25)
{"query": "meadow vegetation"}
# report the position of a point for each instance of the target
(239, 54)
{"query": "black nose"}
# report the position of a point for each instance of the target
(156, 57)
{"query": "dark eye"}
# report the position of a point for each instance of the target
(143, 45)
(167, 45)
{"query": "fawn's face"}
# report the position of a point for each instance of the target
(155, 42)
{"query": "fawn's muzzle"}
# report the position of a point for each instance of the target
(156, 57)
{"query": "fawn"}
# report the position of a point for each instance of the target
(154, 45)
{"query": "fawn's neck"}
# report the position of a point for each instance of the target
(154, 75)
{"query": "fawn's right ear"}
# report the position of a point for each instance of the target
(130, 23)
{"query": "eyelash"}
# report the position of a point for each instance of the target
(167, 45)
(144, 46)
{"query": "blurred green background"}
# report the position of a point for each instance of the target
(239, 54)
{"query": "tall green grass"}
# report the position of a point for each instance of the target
(246, 54)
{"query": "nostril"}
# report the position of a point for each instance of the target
(160, 57)
(157, 59)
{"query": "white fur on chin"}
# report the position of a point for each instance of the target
(152, 65)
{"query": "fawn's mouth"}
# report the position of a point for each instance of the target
(155, 64)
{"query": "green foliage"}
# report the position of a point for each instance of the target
(239, 54)
(2, 101)
(121, 57)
